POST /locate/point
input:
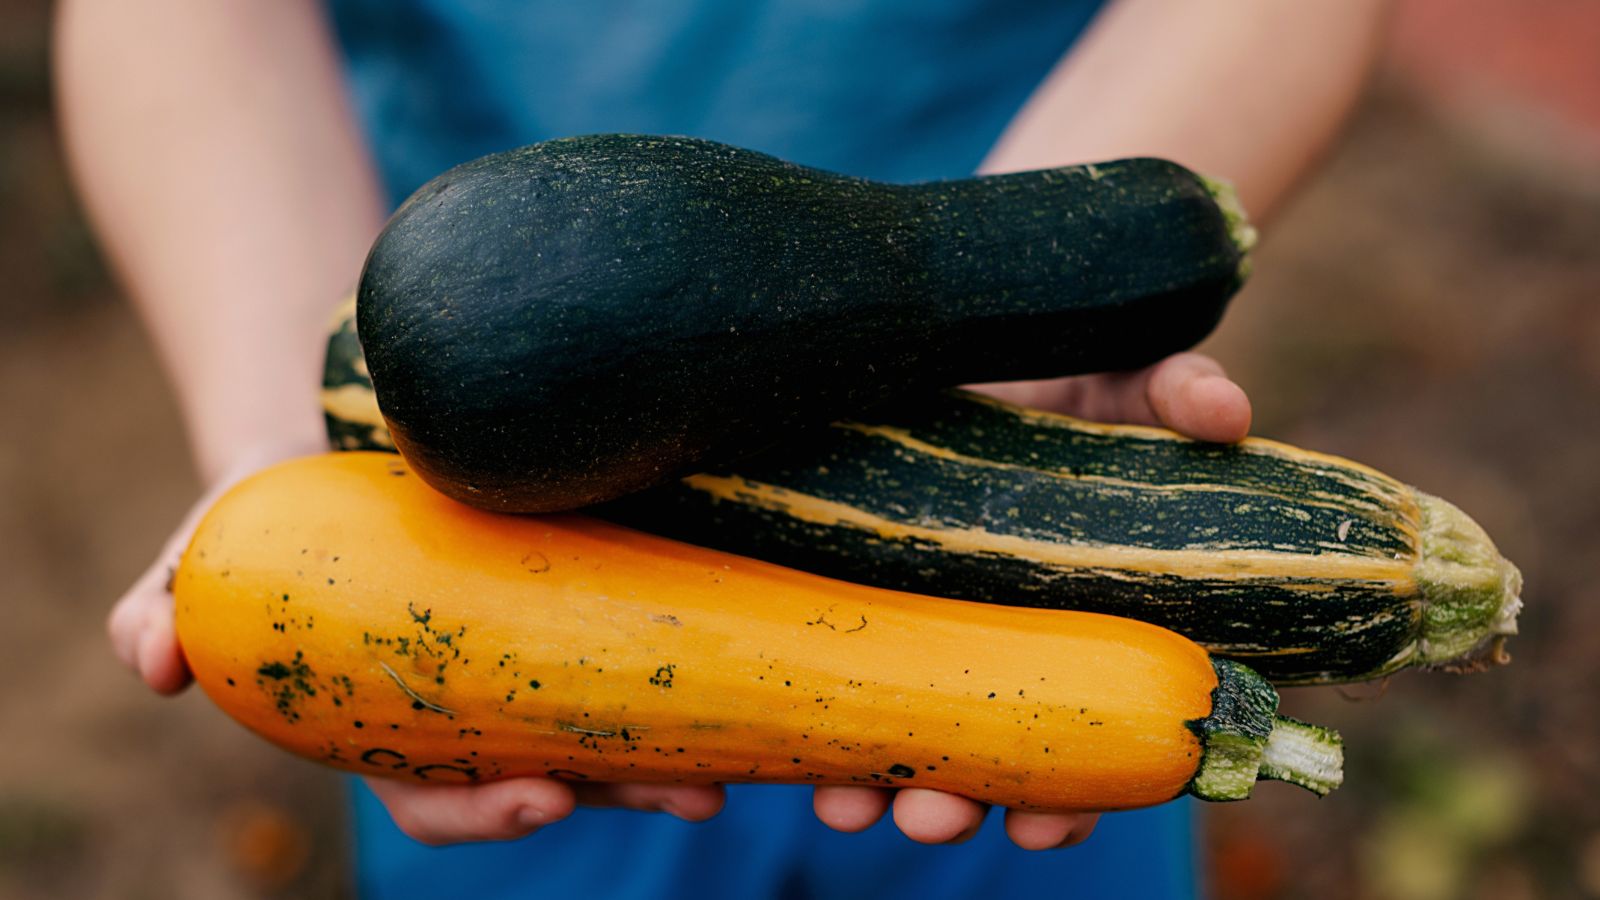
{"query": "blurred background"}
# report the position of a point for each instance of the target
(1427, 306)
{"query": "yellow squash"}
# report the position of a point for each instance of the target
(342, 609)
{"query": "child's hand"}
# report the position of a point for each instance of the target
(1189, 394)
(1186, 392)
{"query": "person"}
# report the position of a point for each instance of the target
(237, 158)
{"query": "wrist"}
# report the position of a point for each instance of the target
(222, 465)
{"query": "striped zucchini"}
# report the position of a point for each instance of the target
(349, 406)
(1307, 567)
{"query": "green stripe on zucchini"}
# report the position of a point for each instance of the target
(1307, 567)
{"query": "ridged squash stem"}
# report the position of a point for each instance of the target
(1471, 594)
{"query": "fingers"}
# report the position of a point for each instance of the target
(934, 817)
(1047, 831)
(141, 626)
(142, 630)
(126, 622)
(850, 809)
(1187, 392)
(692, 803)
(1190, 394)
(161, 662)
(452, 814)
(506, 810)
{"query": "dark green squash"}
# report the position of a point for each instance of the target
(580, 319)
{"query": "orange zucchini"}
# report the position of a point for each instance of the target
(345, 611)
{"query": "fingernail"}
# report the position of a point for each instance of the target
(531, 817)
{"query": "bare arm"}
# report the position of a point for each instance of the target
(1249, 90)
(221, 167)
(224, 173)
(1252, 91)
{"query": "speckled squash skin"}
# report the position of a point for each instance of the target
(576, 320)
(343, 610)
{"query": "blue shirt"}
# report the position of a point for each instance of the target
(900, 90)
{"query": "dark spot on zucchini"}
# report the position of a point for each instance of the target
(384, 757)
(427, 773)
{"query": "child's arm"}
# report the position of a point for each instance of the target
(214, 152)
(217, 159)
(227, 181)
(1248, 90)
(1251, 91)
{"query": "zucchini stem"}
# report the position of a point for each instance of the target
(1244, 740)
(1304, 754)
